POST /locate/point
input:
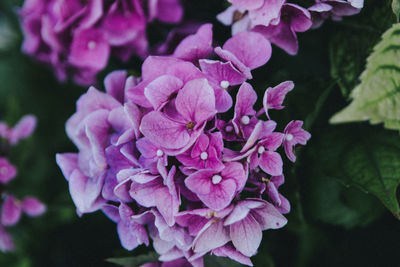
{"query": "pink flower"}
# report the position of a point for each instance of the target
(217, 189)
(163, 158)
(294, 135)
(77, 38)
(7, 171)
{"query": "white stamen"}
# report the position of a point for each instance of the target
(204, 155)
(3, 171)
(245, 120)
(224, 84)
(228, 128)
(216, 179)
(92, 45)
(160, 153)
(289, 137)
(261, 150)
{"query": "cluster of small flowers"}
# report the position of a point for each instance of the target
(11, 207)
(161, 156)
(279, 21)
(77, 37)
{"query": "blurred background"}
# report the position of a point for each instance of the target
(331, 223)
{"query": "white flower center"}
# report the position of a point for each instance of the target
(204, 155)
(92, 45)
(245, 120)
(216, 179)
(224, 84)
(228, 128)
(289, 137)
(261, 150)
(160, 153)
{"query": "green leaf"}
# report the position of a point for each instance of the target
(214, 261)
(361, 156)
(135, 261)
(396, 8)
(377, 97)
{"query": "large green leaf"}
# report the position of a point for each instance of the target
(363, 156)
(377, 97)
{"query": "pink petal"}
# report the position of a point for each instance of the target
(23, 129)
(246, 235)
(196, 46)
(89, 49)
(271, 163)
(196, 101)
(164, 132)
(11, 211)
(269, 11)
(213, 235)
(7, 171)
(115, 84)
(160, 90)
(33, 207)
(250, 48)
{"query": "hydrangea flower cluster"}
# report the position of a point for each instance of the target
(162, 156)
(77, 37)
(279, 21)
(11, 207)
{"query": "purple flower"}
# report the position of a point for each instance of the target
(247, 221)
(217, 189)
(246, 51)
(245, 14)
(77, 38)
(294, 135)
(273, 97)
(205, 153)
(7, 171)
(334, 9)
(23, 129)
(161, 156)
(12, 208)
(194, 105)
(293, 19)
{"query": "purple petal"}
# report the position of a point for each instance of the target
(85, 191)
(217, 72)
(164, 132)
(115, 84)
(33, 207)
(271, 163)
(269, 217)
(128, 239)
(246, 235)
(250, 48)
(23, 129)
(229, 251)
(6, 242)
(273, 97)
(11, 211)
(159, 91)
(213, 235)
(7, 171)
(200, 182)
(196, 46)
(196, 101)
(89, 49)
(267, 13)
